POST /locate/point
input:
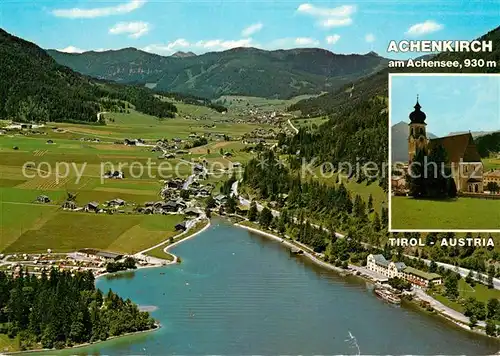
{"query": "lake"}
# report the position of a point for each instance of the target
(240, 293)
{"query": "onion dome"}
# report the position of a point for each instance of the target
(417, 116)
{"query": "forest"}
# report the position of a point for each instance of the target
(61, 310)
(33, 87)
(355, 135)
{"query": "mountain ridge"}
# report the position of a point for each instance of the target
(237, 71)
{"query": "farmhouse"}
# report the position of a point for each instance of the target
(68, 204)
(92, 207)
(195, 212)
(116, 202)
(181, 226)
(43, 199)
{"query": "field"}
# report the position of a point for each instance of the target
(311, 124)
(463, 213)
(491, 163)
(74, 158)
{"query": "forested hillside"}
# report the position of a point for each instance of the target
(239, 71)
(488, 144)
(33, 87)
(60, 310)
(377, 84)
(357, 130)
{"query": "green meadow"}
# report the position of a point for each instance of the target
(31, 166)
(462, 213)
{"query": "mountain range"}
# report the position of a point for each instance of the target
(238, 71)
(33, 87)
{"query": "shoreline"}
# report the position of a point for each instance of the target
(165, 262)
(440, 312)
(87, 344)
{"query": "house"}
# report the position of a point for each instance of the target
(68, 204)
(198, 168)
(236, 164)
(175, 183)
(114, 175)
(116, 202)
(171, 206)
(181, 226)
(220, 199)
(92, 207)
(228, 154)
(195, 212)
(50, 142)
(149, 203)
(43, 199)
(169, 155)
(129, 142)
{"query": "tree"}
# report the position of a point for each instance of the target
(451, 286)
(472, 321)
(184, 194)
(469, 279)
(493, 308)
(252, 212)
(265, 217)
(230, 205)
(210, 203)
(491, 328)
(433, 267)
(370, 203)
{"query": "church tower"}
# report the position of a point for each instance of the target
(417, 136)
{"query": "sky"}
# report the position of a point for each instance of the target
(451, 103)
(167, 26)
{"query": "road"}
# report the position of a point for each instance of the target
(293, 127)
(463, 271)
(444, 309)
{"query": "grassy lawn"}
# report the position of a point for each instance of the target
(491, 163)
(463, 213)
(311, 124)
(479, 291)
(7, 344)
(159, 251)
(70, 231)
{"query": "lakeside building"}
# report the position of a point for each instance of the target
(418, 278)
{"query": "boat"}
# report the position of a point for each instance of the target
(387, 296)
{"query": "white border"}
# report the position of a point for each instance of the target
(390, 147)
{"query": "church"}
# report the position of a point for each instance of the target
(463, 156)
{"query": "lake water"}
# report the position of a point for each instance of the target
(239, 293)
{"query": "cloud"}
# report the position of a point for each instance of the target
(77, 13)
(71, 49)
(341, 11)
(329, 17)
(203, 45)
(134, 29)
(329, 23)
(332, 39)
(250, 30)
(370, 37)
(306, 41)
(424, 28)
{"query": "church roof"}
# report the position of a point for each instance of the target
(458, 147)
(417, 116)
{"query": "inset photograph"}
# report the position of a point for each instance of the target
(444, 148)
